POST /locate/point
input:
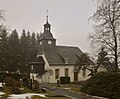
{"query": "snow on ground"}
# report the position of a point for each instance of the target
(24, 96)
(1, 85)
(67, 88)
(1, 93)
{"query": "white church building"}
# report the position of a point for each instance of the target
(54, 62)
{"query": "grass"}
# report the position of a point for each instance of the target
(38, 97)
(72, 87)
(7, 92)
(27, 90)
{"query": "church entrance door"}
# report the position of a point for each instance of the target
(75, 76)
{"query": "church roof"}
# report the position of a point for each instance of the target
(37, 60)
(46, 35)
(63, 55)
(109, 66)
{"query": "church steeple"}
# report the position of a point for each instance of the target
(46, 41)
(47, 25)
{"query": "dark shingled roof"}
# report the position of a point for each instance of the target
(41, 73)
(47, 35)
(62, 54)
(109, 66)
(37, 60)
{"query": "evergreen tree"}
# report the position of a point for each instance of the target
(102, 56)
(104, 60)
(14, 58)
(23, 51)
(38, 36)
(3, 50)
(33, 47)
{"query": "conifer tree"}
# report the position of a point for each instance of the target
(28, 46)
(3, 50)
(33, 46)
(23, 51)
(102, 56)
(14, 54)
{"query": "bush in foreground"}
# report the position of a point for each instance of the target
(14, 84)
(104, 85)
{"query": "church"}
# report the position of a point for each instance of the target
(55, 62)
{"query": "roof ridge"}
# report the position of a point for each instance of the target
(67, 46)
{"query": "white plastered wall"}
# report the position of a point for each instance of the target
(71, 73)
(62, 73)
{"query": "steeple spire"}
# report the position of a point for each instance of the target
(47, 25)
(47, 16)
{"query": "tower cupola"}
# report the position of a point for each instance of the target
(47, 25)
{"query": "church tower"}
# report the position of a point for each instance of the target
(47, 25)
(46, 41)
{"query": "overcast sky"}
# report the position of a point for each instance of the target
(69, 18)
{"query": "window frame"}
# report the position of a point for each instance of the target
(66, 72)
(57, 73)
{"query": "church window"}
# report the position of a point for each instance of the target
(66, 72)
(57, 71)
(33, 77)
(32, 67)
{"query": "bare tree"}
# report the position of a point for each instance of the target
(84, 62)
(2, 18)
(2, 15)
(107, 28)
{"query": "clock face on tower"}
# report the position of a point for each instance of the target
(49, 42)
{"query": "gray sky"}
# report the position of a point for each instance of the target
(69, 18)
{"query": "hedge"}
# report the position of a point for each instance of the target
(103, 84)
(13, 75)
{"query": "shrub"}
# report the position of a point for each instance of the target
(9, 81)
(13, 75)
(35, 86)
(104, 85)
(14, 84)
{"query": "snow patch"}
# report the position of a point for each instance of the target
(24, 96)
(1, 86)
(67, 88)
(2, 93)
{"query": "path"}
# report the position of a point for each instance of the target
(67, 93)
